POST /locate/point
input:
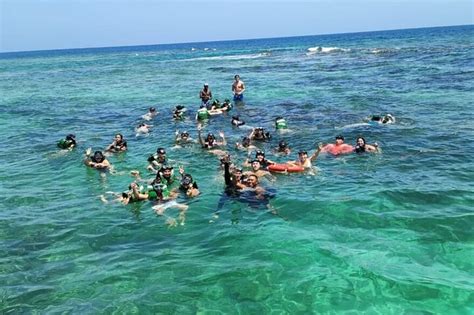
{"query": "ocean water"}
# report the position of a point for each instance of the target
(389, 233)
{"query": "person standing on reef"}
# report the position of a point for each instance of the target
(238, 88)
(205, 95)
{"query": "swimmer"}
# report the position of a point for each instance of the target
(205, 94)
(157, 160)
(259, 134)
(118, 145)
(304, 160)
(238, 88)
(202, 113)
(387, 119)
(166, 175)
(227, 105)
(182, 138)
(68, 143)
(280, 123)
(210, 142)
(257, 171)
(178, 112)
(236, 121)
(260, 156)
(245, 145)
(216, 105)
(97, 161)
(189, 186)
(362, 147)
(339, 147)
(282, 148)
(142, 128)
(151, 114)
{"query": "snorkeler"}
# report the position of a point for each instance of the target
(260, 156)
(182, 138)
(178, 112)
(280, 123)
(245, 145)
(226, 106)
(282, 148)
(259, 134)
(151, 114)
(157, 160)
(189, 186)
(339, 147)
(118, 145)
(236, 121)
(210, 142)
(202, 113)
(257, 171)
(142, 128)
(387, 119)
(97, 161)
(362, 146)
(68, 143)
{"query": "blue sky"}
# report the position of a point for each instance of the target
(57, 24)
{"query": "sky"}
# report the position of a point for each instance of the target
(60, 24)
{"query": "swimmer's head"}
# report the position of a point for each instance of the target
(98, 156)
(166, 171)
(236, 117)
(161, 151)
(141, 125)
(282, 145)
(119, 137)
(179, 107)
(245, 142)
(210, 137)
(206, 85)
(186, 180)
(259, 153)
(360, 141)
(184, 135)
(256, 165)
(339, 139)
(252, 181)
(70, 137)
(278, 118)
(237, 77)
(152, 109)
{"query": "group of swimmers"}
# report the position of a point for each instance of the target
(164, 187)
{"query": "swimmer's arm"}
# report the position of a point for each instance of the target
(228, 180)
(136, 193)
(224, 142)
(243, 87)
(316, 153)
(103, 164)
(201, 141)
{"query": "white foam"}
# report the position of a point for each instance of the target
(326, 50)
(231, 57)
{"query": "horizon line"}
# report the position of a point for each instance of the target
(228, 40)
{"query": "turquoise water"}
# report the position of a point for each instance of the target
(388, 233)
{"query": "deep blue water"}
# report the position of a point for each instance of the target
(387, 233)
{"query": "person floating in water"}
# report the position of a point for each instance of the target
(283, 148)
(387, 119)
(97, 161)
(68, 143)
(362, 147)
(236, 121)
(188, 185)
(238, 88)
(280, 123)
(118, 145)
(210, 143)
(182, 138)
(178, 112)
(205, 95)
(305, 161)
(151, 114)
(258, 171)
(339, 147)
(260, 134)
(245, 145)
(157, 160)
(142, 129)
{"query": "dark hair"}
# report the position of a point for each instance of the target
(340, 137)
(282, 144)
(121, 136)
(70, 137)
(258, 152)
(152, 109)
